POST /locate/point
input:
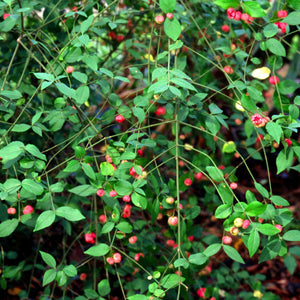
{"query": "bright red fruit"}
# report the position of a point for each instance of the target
(282, 14)
(227, 239)
(201, 292)
(199, 175)
(127, 211)
(5, 16)
(233, 185)
(161, 111)
(110, 260)
(69, 69)
(90, 237)
(188, 182)
(225, 28)
(102, 219)
(238, 15)
(273, 80)
(279, 227)
(170, 243)
(170, 16)
(228, 70)
(83, 276)
(100, 192)
(119, 118)
(28, 209)
(120, 38)
(137, 256)
(140, 152)
(159, 19)
(126, 198)
(112, 35)
(231, 13)
(113, 193)
(173, 221)
(11, 210)
(117, 257)
(288, 141)
(246, 224)
(132, 240)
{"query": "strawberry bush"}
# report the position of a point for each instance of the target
(148, 149)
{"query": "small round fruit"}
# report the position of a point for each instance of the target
(246, 224)
(110, 260)
(132, 240)
(188, 182)
(233, 185)
(234, 230)
(113, 193)
(117, 257)
(225, 28)
(173, 221)
(238, 222)
(288, 141)
(102, 219)
(273, 80)
(11, 210)
(279, 227)
(119, 119)
(282, 14)
(228, 70)
(28, 209)
(170, 200)
(227, 239)
(170, 16)
(159, 19)
(70, 69)
(126, 198)
(100, 192)
(199, 175)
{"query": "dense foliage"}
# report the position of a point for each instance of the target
(145, 147)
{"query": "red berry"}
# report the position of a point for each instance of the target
(11, 210)
(117, 257)
(191, 238)
(231, 13)
(273, 80)
(227, 239)
(120, 38)
(170, 16)
(288, 141)
(188, 182)
(5, 16)
(132, 240)
(113, 193)
(100, 192)
(199, 175)
(137, 256)
(110, 260)
(126, 198)
(238, 15)
(228, 70)
(102, 219)
(201, 292)
(161, 111)
(69, 69)
(170, 200)
(279, 227)
(173, 221)
(234, 230)
(127, 211)
(28, 209)
(83, 276)
(119, 118)
(233, 185)
(282, 14)
(246, 224)
(159, 19)
(90, 237)
(140, 152)
(225, 28)
(112, 35)
(74, 8)
(170, 243)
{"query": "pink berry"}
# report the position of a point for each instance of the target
(83, 276)
(199, 175)
(170, 243)
(108, 158)
(100, 192)
(126, 198)
(132, 240)
(5, 16)
(112, 35)
(238, 15)
(245, 17)
(137, 256)
(69, 69)
(159, 19)
(282, 14)
(188, 182)
(246, 224)
(90, 237)
(288, 141)
(228, 70)
(133, 173)
(28, 209)
(140, 152)
(191, 238)
(170, 200)
(113, 193)
(273, 80)
(74, 8)
(227, 239)
(119, 119)
(11, 210)
(110, 260)
(170, 16)
(161, 111)
(117, 257)
(173, 221)
(231, 13)
(233, 185)
(279, 227)
(201, 292)
(120, 38)
(102, 219)
(225, 28)
(127, 211)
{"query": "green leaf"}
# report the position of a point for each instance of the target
(274, 130)
(72, 166)
(33, 150)
(171, 280)
(84, 190)
(44, 220)
(14, 95)
(138, 297)
(82, 94)
(283, 161)
(121, 78)
(8, 24)
(183, 83)
(49, 276)
(32, 187)
(172, 28)
(48, 259)
(8, 227)
(66, 90)
(292, 236)
(70, 270)
(21, 128)
(181, 262)
(167, 6)
(270, 30)
(178, 44)
(254, 9)
(227, 3)
(80, 77)
(293, 18)
(123, 187)
(106, 169)
(98, 250)
(103, 287)
(139, 200)
(108, 227)
(212, 250)
(124, 227)
(88, 171)
(268, 229)
(12, 151)
(255, 208)
(215, 173)
(158, 72)
(159, 87)
(61, 278)
(290, 263)
(275, 47)
(44, 76)
(233, 254)
(84, 26)
(198, 259)
(287, 86)
(139, 113)
(261, 190)
(223, 211)
(278, 200)
(253, 242)
(295, 4)
(270, 251)
(69, 213)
